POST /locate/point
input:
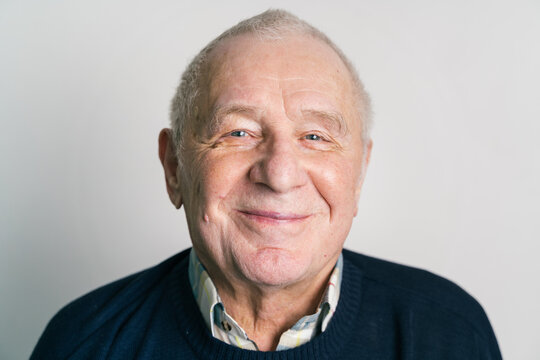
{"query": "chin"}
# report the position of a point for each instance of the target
(275, 267)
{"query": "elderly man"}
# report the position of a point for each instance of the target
(268, 151)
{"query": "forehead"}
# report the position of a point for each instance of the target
(247, 66)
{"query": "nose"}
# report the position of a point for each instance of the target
(280, 167)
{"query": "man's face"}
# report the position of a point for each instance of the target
(274, 167)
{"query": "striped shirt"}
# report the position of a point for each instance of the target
(226, 329)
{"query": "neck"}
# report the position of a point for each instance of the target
(267, 312)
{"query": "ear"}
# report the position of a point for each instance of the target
(169, 160)
(365, 163)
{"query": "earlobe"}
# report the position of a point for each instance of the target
(365, 163)
(169, 160)
(367, 155)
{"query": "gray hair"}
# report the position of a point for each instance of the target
(273, 25)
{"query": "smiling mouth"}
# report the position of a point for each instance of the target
(273, 216)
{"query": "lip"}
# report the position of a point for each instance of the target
(273, 216)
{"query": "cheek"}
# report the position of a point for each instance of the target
(217, 179)
(336, 183)
(221, 178)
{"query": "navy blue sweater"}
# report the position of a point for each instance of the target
(385, 311)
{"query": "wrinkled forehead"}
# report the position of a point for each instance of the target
(288, 64)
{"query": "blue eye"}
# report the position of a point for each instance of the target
(238, 133)
(312, 137)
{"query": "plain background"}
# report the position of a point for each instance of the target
(453, 185)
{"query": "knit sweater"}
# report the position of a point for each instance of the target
(385, 311)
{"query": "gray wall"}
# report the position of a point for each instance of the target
(452, 187)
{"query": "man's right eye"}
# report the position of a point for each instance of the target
(238, 133)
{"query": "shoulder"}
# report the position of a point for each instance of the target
(104, 308)
(416, 282)
(420, 293)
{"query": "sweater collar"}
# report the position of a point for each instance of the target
(327, 345)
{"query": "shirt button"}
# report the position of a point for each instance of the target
(226, 325)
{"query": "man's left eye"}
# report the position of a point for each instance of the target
(313, 137)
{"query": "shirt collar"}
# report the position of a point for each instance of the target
(204, 290)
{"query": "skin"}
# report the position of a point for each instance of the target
(271, 177)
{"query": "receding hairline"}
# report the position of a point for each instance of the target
(214, 62)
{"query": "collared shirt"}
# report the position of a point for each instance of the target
(226, 329)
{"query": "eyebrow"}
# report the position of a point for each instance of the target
(332, 121)
(219, 113)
